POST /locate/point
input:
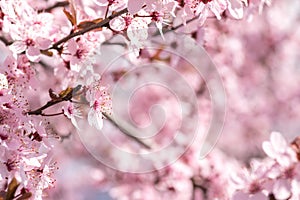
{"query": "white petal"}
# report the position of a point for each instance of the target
(278, 142)
(101, 2)
(235, 8)
(95, 119)
(268, 149)
(282, 189)
(18, 47)
(74, 122)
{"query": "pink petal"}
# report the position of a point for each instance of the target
(33, 53)
(134, 6)
(43, 43)
(149, 3)
(240, 196)
(259, 196)
(72, 46)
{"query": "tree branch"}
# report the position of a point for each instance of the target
(5, 41)
(89, 28)
(67, 95)
(196, 184)
(56, 5)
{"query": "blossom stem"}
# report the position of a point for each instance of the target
(78, 102)
(181, 25)
(54, 114)
(56, 5)
(126, 132)
(106, 12)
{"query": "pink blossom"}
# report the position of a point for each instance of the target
(118, 24)
(71, 112)
(30, 34)
(278, 149)
(100, 102)
(258, 66)
(31, 47)
(137, 32)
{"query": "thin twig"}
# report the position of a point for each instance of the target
(53, 114)
(181, 25)
(126, 132)
(166, 30)
(56, 5)
(123, 44)
(106, 12)
(39, 111)
(69, 93)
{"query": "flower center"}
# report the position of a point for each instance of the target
(29, 42)
(206, 1)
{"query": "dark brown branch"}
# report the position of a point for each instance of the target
(52, 115)
(196, 184)
(101, 24)
(123, 44)
(106, 12)
(5, 41)
(56, 5)
(67, 95)
(39, 111)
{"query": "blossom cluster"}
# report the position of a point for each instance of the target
(51, 78)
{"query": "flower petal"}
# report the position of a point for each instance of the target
(43, 42)
(135, 6)
(18, 47)
(268, 149)
(33, 54)
(278, 142)
(95, 119)
(282, 189)
(235, 8)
